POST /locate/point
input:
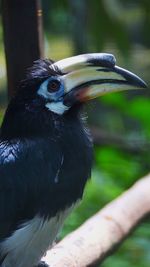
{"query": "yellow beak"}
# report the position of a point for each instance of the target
(91, 75)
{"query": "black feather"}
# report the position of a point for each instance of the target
(41, 69)
(28, 169)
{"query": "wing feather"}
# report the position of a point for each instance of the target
(27, 171)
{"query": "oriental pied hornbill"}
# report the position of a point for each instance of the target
(46, 150)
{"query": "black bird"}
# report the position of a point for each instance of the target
(46, 150)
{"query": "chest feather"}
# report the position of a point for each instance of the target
(26, 246)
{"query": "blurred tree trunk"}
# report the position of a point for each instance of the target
(78, 10)
(23, 38)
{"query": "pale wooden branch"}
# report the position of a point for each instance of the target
(102, 233)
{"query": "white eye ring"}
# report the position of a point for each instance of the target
(43, 89)
(54, 95)
(47, 92)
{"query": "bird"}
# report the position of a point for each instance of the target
(46, 150)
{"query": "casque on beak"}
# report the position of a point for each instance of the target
(91, 75)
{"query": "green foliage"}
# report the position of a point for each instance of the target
(117, 165)
(117, 100)
(106, 22)
(104, 26)
(134, 252)
(139, 108)
(1, 116)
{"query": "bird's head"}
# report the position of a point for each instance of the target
(57, 87)
(80, 78)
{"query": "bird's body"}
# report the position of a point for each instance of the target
(51, 168)
(46, 152)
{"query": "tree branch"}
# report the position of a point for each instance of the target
(105, 231)
(102, 137)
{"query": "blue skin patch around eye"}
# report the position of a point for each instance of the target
(56, 96)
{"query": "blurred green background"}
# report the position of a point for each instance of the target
(120, 122)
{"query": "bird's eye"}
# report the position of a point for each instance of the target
(53, 86)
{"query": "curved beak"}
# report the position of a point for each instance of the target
(91, 75)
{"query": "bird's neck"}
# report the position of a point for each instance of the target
(27, 122)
